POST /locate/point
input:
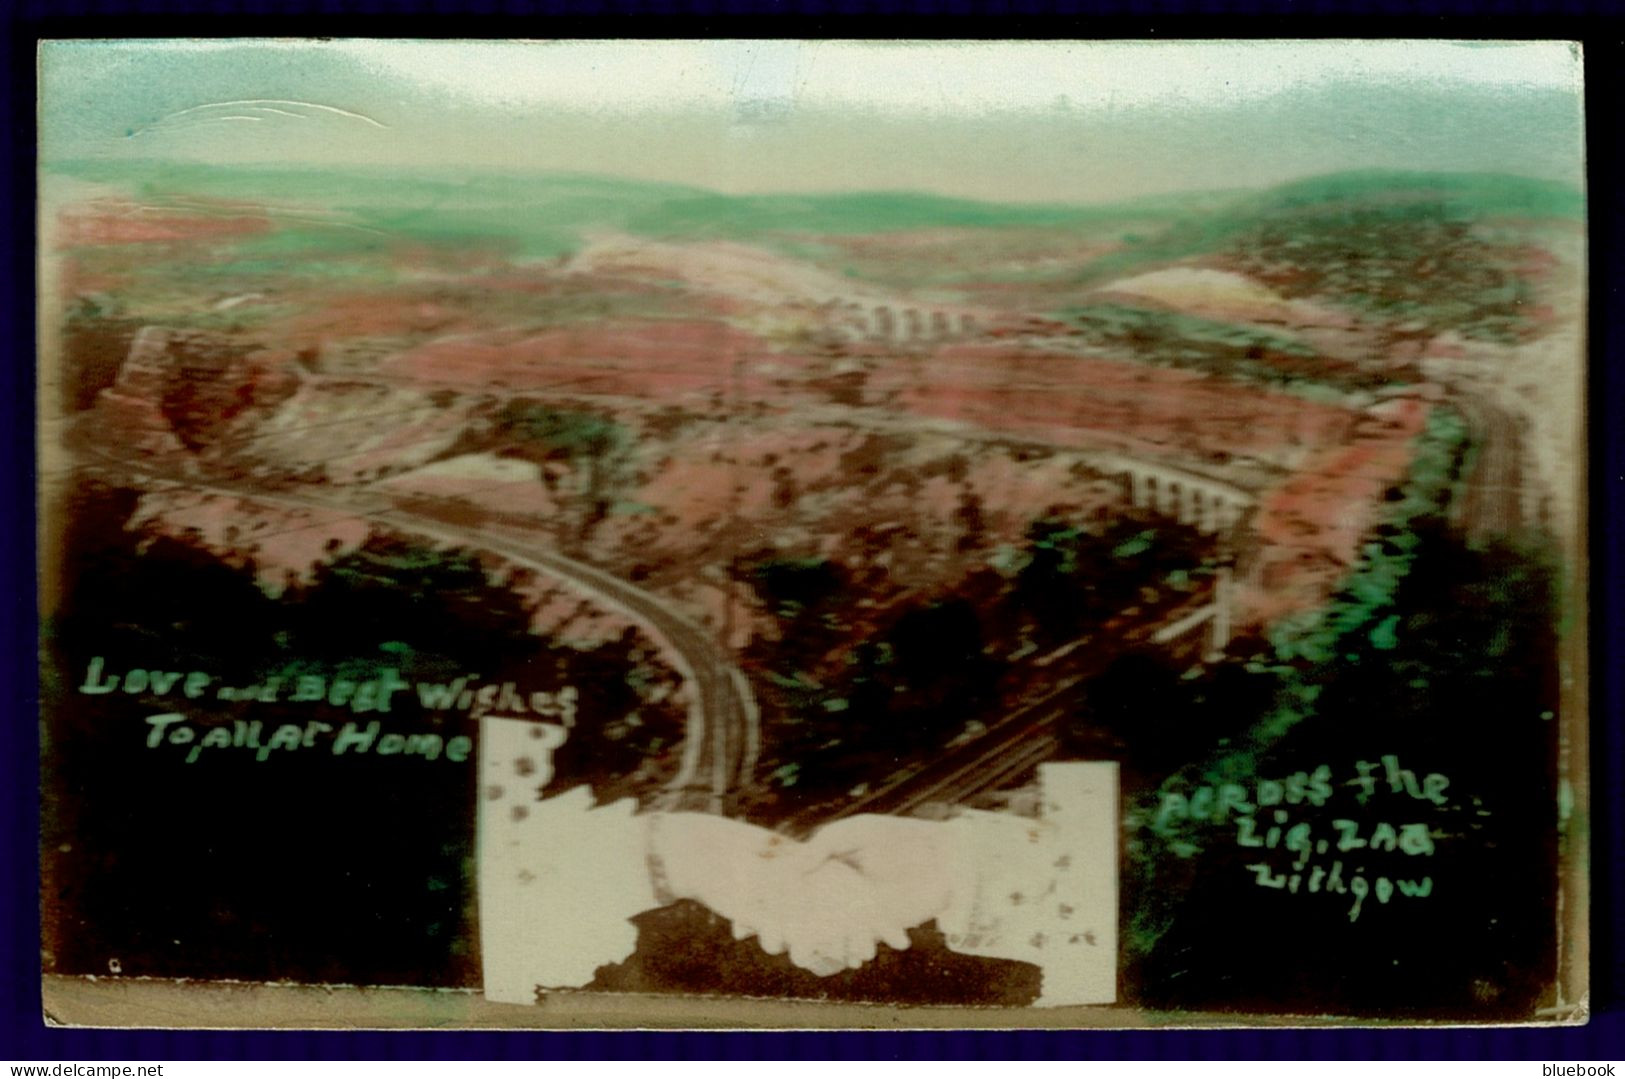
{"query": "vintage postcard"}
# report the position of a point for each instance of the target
(806, 533)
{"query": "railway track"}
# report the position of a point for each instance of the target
(721, 740)
(1009, 748)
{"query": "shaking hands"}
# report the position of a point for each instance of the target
(830, 901)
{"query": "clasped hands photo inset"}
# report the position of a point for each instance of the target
(783, 534)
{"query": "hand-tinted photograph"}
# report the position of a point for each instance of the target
(805, 533)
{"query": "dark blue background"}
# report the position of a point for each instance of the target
(23, 1035)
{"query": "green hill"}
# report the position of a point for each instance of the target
(1346, 206)
(547, 214)
(1467, 195)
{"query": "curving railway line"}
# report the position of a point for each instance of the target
(721, 740)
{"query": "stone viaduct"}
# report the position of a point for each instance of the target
(1210, 505)
(875, 320)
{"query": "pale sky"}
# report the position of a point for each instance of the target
(1022, 121)
(954, 77)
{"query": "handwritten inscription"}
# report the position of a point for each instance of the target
(466, 694)
(171, 728)
(1304, 850)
